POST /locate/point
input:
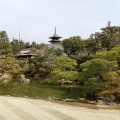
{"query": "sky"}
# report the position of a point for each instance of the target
(35, 20)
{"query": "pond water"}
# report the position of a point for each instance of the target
(35, 89)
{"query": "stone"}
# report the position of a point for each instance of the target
(112, 97)
(50, 98)
(65, 82)
(92, 102)
(6, 77)
(107, 99)
(24, 80)
(99, 97)
(16, 95)
(112, 104)
(69, 100)
(101, 102)
(27, 81)
(82, 99)
(59, 99)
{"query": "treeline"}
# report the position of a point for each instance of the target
(94, 62)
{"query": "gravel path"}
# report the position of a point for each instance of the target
(28, 109)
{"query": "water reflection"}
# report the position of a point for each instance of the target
(43, 91)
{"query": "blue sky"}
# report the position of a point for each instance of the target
(38, 18)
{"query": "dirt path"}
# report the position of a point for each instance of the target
(28, 109)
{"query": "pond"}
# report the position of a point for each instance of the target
(36, 89)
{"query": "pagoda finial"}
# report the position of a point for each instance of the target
(55, 29)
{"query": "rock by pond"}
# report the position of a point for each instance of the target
(24, 80)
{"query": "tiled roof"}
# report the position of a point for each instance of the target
(55, 36)
(55, 46)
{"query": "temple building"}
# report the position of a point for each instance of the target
(55, 38)
(54, 41)
(27, 53)
(32, 52)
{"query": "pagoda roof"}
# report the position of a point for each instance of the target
(55, 36)
(54, 41)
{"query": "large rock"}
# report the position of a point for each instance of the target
(101, 102)
(24, 80)
(82, 99)
(99, 97)
(69, 100)
(113, 98)
(65, 82)
(5, 78)
(92, 102)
